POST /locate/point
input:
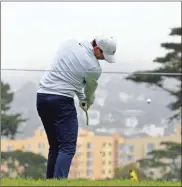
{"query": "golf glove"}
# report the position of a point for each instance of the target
(91, 100)
(84, 105)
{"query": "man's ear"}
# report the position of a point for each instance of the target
(96, 47)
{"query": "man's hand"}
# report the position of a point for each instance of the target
(83, 104)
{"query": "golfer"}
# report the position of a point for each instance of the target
(75, 71)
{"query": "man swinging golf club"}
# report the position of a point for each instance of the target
(75, 71)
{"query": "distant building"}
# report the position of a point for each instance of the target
(97, 156)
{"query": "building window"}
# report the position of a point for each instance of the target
(110, 153)
(28, 147)
(89, 172)
(121, 147)
(89, 155)
(90, 145)
(9, 148)
(41, 145)
(109, 171)
(89, 163)
(110, 144)
(40, 148)
(79, 146)
(150, 147)
(41, 153)
(129, 148)
(104, 144)
(103, 162)
(130, 157)
(109, 162)
(122, 157)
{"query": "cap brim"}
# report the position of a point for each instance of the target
(110, 58)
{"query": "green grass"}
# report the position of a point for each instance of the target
(82, 182)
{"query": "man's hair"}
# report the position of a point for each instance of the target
(94, 43)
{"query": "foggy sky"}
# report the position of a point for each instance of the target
(31, 32)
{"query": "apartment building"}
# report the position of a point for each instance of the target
(133, 149)
(97, 156)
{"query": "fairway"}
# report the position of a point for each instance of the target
(40, 182)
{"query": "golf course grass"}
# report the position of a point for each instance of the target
(82, 182)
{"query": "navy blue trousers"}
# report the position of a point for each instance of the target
(59, 117)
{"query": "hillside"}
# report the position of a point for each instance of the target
(120, 106)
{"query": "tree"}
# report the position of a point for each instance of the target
(24, 164)
(167, 160)
(171, 63)
(123, 172)
(9, 122)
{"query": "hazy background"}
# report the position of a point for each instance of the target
(31, 33)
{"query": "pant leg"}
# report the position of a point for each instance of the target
(47, 114)
(59, 117)
(67, 132)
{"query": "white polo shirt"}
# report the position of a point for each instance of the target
(70, 70)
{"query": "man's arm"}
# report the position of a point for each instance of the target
(91, 84)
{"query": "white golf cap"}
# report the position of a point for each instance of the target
(108, 46)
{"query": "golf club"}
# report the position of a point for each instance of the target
(87, 120)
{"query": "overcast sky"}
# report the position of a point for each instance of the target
(31, 32)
